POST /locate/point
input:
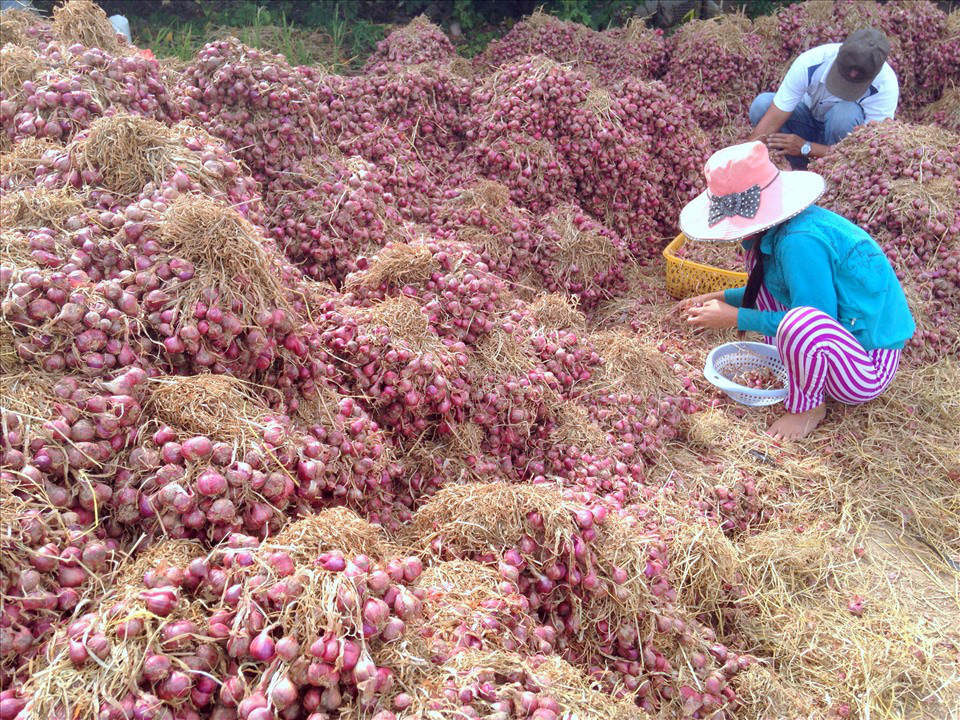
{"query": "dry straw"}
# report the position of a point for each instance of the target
(899, 456)
(703, 564)
(787, 591)
(502, 357)
(397, 265)
(39, 208)
(334, 529)
(578, 695)
(948, 106)
(316, 608)
(316, 45)
(10, 362)
(539, 19)
(485, 195)
(537, 156)
(228, 253)
(24, 158)
(463, 68)
(633, 364)
(763, 694)
(622, 545)
(580, 252)
(937, 195)
(786, 586)
(18, 538)
(17, 65)
(58, 688)
(453, 456)
(767, 27)
(575, 427)
(500, 82)
(599, 103)
(557, 311)
(326, 166)
(464, 582)
(637, 29)
(172, 69)
(420, 25)
(13, 25)
(158, 557)
(461, 595)
(920, 298)
(495, 245)
(404, 318)
(925, 141)
(84, 22)
(130, 151)
(25, 390)
(489, 217)
(15, 249)
(221, 407)
(726, 33)
(28, 394)
(485, 517)
(501, 354)
(851, 14)
(895, 458)
(884, 663)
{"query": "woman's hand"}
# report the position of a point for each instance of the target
(684, 305)
(713, 314)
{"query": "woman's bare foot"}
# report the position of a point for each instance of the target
(793, 426)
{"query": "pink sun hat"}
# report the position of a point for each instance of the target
(746, 194)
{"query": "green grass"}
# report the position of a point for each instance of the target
(174, 40)
(337, 43)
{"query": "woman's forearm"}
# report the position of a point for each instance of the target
(733, 296)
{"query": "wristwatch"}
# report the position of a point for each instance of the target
(805, 150)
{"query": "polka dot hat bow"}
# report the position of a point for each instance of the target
(744, 204)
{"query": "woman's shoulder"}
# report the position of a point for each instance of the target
(820, 221)
(854, 250)
(820, 215)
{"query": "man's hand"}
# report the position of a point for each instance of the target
(771, 122)
(713, 314)
(785, 143)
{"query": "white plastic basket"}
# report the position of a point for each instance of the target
(746, 356)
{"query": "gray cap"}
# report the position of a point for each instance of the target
(859, 61)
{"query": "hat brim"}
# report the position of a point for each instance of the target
(839, 86)
(790, 194)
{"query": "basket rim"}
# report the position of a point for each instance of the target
(678, 242)
(728, 386)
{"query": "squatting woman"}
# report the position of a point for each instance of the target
(819, 287)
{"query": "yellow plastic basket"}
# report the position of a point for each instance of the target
(686, 278)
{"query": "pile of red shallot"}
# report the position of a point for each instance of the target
(610, 56)
(60, 90)
(419, 41)
(265, 110)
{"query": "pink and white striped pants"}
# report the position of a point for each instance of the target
(824, 359)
